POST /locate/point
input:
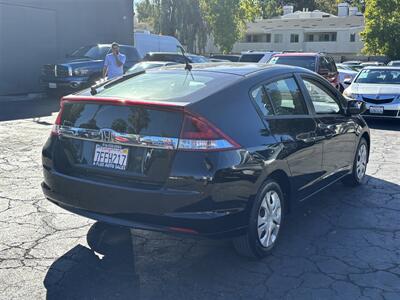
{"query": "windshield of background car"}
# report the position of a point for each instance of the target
(379, 76)
(251, 57)
(307, 62)
(175, 86)
(93, 52)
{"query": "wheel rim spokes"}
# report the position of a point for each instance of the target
(269, 219)
(361, 162)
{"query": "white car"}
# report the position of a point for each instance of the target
(346, 76)
(256, 56)
(379, 88)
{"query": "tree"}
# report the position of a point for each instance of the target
(271, 8)
(382, 28)
(360, 4)
(148, 11)
(227, 19)
(179, 18)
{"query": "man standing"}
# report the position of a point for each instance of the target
(114, 63)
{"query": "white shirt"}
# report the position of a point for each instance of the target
(113, 70)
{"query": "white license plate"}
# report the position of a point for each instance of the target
(376, 110)
(110, 156)
(52, 85)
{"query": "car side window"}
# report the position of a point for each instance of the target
(332, 64)
(323, 102)
(324, 64)
(262, 101)
(286, 97)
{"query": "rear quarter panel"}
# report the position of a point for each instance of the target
(241, 171)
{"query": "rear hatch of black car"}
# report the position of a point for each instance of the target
(115, 139)
(120, 144)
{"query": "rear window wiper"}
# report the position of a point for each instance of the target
(110, 83)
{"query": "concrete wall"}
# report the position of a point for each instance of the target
(35, 32)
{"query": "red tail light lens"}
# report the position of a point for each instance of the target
(200, 135)
(57, 122)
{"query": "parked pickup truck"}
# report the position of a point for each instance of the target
(83, 67)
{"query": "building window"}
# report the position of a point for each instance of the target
(352, 37)
(321, 37)
(327, 37)
(258, 38)
(278, 38)
(294, 38)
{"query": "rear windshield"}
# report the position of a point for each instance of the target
(379, 76)
(177, 86)
(251, 57)
(307, 62)
(123, 119)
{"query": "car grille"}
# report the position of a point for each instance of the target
(48, 70)
(55, 71)
(378, 101)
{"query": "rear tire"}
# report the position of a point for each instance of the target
(357, 176)
(266, 219)
(107, 239)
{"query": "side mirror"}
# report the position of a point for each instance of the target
(356, 107)
(347, 81)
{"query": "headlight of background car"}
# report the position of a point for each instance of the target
(347, 93)
(81, 72)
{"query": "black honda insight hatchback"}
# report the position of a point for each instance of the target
(224, 151)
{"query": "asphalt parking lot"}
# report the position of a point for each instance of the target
(343, 244)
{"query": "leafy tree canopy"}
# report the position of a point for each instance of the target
(382, 28)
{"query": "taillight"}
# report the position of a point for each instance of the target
(55, 130)
(200, 135)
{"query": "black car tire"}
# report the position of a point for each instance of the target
(249, 245)
(352, 179)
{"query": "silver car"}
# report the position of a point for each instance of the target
(379, 87)
(346, 76)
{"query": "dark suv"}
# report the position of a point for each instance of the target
(320, 63)
(83, 67)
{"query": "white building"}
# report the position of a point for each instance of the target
(309, 31)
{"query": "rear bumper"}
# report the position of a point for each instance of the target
(165, 210)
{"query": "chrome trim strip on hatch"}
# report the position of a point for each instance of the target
(113, 137)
